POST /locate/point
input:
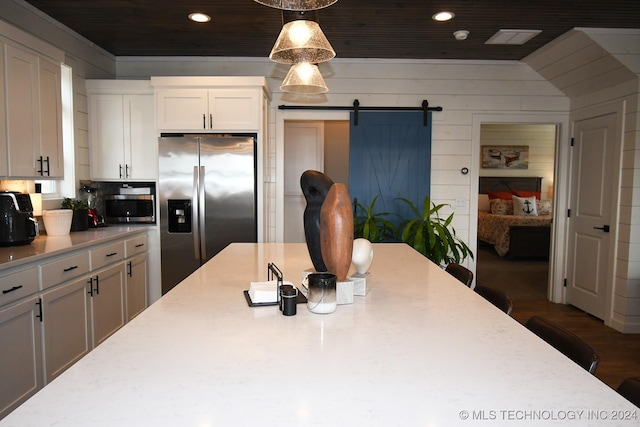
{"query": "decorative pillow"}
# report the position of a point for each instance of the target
(483, 203)
(522, 193)
(544, 207)
(505, 195)
(501, 206)
(524, 206)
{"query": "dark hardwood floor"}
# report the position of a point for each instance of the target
(526, 282)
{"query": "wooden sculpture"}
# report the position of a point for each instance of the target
(336, 231)
(315, 186)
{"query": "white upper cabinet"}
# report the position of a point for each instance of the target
(33, 102)
(210, 104)
(51, 143)
(223, 109)
(123, 141)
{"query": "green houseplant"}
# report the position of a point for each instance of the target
(370, 225)
(80, 220)
(431, 235)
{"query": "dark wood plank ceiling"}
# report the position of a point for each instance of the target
(355, 28)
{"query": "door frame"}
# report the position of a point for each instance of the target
(617, 108)
(557, 253)
(293, 115)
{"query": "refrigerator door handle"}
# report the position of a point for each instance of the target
(203, 192)
(194, 217)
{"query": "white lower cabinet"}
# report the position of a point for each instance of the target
(136, 280)
(57, 310)
(107, 302)
(21, 367)
(66, 325)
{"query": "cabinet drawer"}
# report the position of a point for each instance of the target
(106, 255)
(136, 246)
(18, 285)
(64, 269)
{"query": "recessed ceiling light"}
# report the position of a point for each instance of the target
(199, 17)
(443, 16)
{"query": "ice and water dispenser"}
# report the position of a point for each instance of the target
(179, 215)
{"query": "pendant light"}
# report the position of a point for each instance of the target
(297, 4)
(304, 78)
(301, 40)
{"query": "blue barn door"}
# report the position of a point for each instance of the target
(390, 156)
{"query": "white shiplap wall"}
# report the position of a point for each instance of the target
(462, 88)
(599, 70)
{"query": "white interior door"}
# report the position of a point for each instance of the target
(303, 150)
(592, 221)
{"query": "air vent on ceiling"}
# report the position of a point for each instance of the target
(512, 36)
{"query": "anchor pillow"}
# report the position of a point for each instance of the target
(525, 206)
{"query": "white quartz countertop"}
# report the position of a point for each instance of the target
(46, 246)
(420, 349)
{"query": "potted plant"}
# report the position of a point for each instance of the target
(372, 226)
(80, 219)
(431, 235)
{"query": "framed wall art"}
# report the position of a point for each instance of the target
(505, 157)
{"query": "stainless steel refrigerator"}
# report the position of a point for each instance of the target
(207, 190)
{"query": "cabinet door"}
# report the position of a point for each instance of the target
(234, 109)
(136, 285)
(106, 127)
(66, 325)
(107, 302)
(21, 355)
(50, 101)
(182, 109)
(141, 143)
(23, 133)
(4, 153)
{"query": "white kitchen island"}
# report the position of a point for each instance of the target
(420, 349)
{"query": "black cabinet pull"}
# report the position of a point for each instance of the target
(112, 254)
(15, 288)
(70, 268)
(90, 282)
(210, 121)
(97, 285)
(204, 121)
(126, 174)
(139, 245)
(48, 169)
(41, 168)
(130, 269)
(604, 228)
(39, 304)
(120, 171)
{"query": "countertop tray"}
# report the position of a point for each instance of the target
(300, 299)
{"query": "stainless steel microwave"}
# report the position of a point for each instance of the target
(130, 209)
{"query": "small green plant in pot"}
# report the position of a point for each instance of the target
(80, 221)
(431, 235)
(370, 225)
